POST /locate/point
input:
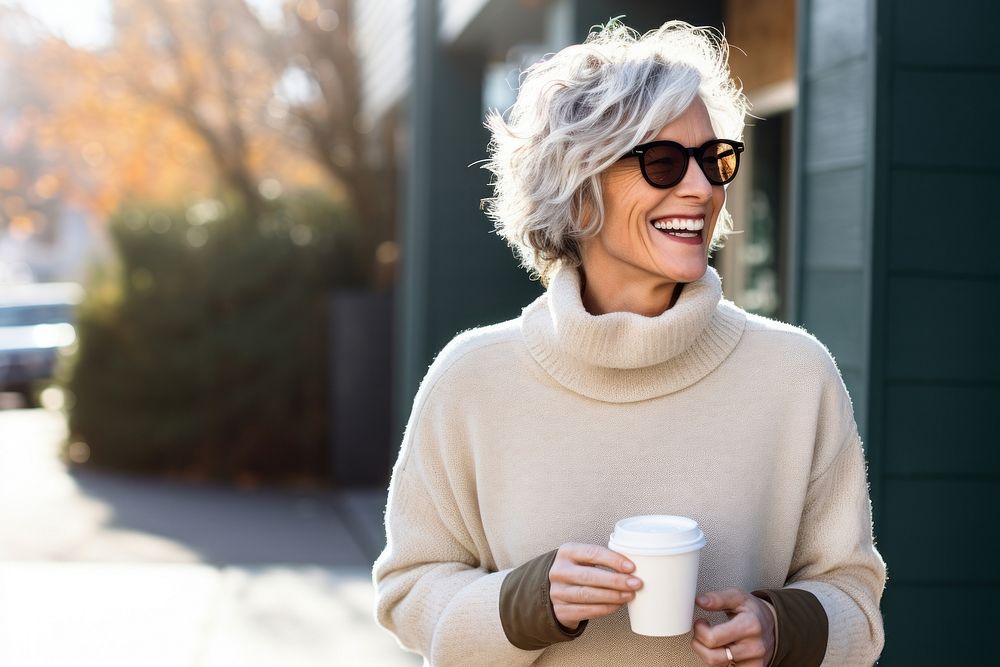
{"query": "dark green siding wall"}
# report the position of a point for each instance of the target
(833, 156)
(935, 380)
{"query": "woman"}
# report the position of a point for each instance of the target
(631, 387)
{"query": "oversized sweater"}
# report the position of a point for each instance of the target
(551, 427)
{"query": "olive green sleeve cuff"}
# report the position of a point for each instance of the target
(526, 612)
(801, 624)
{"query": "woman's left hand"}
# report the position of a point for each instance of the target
(749, 632)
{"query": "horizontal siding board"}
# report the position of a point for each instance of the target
(942, 329)
(931, 110)
(932, 531)
(836, 125)
(837, 32)
(833, 310)
(964, 35)
(924, 625)
(942, 429)
(922, 203)
(835, 214)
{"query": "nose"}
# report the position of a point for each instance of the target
(694, 184)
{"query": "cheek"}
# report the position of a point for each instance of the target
(622, 225)
(625, 207)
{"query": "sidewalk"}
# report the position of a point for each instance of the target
(108, 570)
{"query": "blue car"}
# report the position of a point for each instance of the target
(36, 321)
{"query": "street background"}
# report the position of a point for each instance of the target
(108, 570)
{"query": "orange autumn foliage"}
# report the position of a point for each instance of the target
(138, 120)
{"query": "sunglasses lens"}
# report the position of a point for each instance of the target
(720, 163)
(664, 164)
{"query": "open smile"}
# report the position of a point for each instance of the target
(682, 230)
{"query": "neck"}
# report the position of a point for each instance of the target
(648, 299)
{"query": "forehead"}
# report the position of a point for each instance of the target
(691, 128)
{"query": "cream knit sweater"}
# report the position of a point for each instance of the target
(549, 428)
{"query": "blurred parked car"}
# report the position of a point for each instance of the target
(36, 321)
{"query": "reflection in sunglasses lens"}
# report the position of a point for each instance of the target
(720, 163)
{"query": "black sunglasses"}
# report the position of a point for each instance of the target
(664, 163)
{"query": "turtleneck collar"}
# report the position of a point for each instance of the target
(626, 357)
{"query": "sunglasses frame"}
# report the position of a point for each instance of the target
(698, 153)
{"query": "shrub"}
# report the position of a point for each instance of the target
(203, 350)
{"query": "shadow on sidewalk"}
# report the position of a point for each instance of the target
(230, 526)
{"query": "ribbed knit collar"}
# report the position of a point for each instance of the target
(625, 357)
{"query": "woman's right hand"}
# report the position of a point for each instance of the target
(580, 590)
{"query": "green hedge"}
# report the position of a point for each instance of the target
(203, 350)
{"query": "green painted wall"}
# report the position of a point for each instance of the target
(935, 377)
(833, 138)
(899, 276)
(889, 91)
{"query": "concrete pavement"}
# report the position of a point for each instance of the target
(108, 570)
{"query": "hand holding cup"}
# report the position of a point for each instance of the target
(580, 589)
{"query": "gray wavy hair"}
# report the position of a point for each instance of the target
(578, 111)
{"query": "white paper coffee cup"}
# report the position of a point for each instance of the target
(666, 550)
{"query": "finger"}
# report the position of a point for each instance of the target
(744, 653)
(593, 554)
(710, 656)
(743, 626)
(588, 595)
(730, 598)
(591, 576)
(699, 628)
(572, 613)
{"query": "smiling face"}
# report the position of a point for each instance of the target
(632, 256)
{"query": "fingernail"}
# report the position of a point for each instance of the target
(627, 566)
(634, 583)
(702, 600)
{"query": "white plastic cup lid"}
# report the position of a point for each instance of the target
(656, 535)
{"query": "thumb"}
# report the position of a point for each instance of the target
(731, 598)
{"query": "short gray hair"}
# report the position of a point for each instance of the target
(578, 111)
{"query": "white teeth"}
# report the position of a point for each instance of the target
(680, 223)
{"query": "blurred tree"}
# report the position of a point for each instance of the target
(313, 49)
(203, 349)
(185, 57)
(269, 104)
(31, 182)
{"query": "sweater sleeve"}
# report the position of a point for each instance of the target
(526, 610)
(437, 590)
(835, 558)
(800, 627)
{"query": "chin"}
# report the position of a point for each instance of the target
(686, 274)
